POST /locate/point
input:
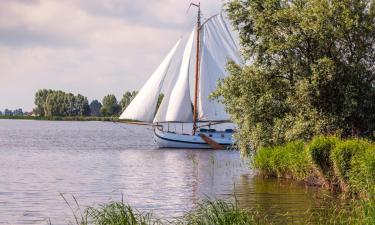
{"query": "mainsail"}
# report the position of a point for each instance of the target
(143, 106)
(217, 49)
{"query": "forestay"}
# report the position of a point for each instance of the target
(143, 107)
(217, 49)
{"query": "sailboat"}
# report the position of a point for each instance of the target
(185, 119)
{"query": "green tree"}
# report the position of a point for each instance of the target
(59, 103)
(81, 105)
(95, 107)
(127, 98)
(110, 106)
(311, 70)
(40, 101)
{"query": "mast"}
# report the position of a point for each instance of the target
(195, 114)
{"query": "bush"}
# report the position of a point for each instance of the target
(342, 156)
(362, 174)
(290, 160)
(262, 160)
(320, 150)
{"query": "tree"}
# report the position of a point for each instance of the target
(95, 107)
(110, 106)
(311, 72)
(8, 112)
(127, 98)
(59, 103)
(40, 100)
(17, 112)
(82, 106)
(1, 113)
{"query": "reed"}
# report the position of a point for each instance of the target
(346, 165)
(220, 212)
(290, 160)
(119, 213)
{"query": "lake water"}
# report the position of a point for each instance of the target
(98, 162)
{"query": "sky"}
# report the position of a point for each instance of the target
(91, 47)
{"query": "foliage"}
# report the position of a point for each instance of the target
(345, 164)
(290, 160)
(95, 107)
(343, 154)
(310, 70)
(360, 212)
(127, 98)
(362, 174)
(59, 103)
(320, 150)
(40, 101)
(119, 213)
(110, 106)
(221, 212)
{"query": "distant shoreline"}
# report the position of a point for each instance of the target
(62, 118)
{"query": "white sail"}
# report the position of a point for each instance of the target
(217, 48)
(177, 104)
(143, 106)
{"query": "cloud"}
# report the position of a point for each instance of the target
(92, 47)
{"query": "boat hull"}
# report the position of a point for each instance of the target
(165, 139)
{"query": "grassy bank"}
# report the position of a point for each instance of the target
(207, 212)
(220, 212)
(62, 118)
(346, 166)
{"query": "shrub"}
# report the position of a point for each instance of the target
(320, 150)
(342, 156)
(262, 160)
(362, 174)
(290, 160)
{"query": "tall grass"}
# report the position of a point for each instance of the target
(320, 151)
(347, 165)
(290, 160)
(119, 213)
(221, 212)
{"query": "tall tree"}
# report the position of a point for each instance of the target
(311, 69)
(95, 107)
(59, 103)
(110, 106)
(127, 98)
(40, 101)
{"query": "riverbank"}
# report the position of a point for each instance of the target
(62, 118)
(343, 166)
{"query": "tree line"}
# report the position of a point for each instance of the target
(16, 112)
(58, 103)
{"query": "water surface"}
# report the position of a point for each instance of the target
(98, 162)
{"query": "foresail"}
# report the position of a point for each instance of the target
(176, 105)
(143, 107)
(217, 49)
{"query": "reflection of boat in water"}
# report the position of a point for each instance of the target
(214, 46)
